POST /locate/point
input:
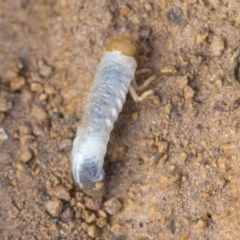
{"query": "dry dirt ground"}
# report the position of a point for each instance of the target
(172, 168)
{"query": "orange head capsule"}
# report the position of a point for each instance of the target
(123, 45)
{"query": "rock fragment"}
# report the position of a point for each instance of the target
(39, 114)
(112, 206)
(5, 106)
(60, 192)
(3, 135)
(26, 155)
(217, 46)
(45, 70)
(54, 207)
(93, 231)
(93, 204)
(17, 83)
(36, 87)
(67, 215)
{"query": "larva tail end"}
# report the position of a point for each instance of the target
(90, 178)
(123, 45)
(96, 189)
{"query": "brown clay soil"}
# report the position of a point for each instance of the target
(172, 167)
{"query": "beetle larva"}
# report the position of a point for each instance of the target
(105, 100)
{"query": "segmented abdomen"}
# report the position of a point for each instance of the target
(108, 93)
(105, 101)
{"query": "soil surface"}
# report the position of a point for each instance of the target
(172, 167)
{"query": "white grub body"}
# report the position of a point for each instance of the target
(104, 102)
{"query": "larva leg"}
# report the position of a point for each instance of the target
(135, 96)
(144, 85)
(146, 82)
(143, 70)
(134, 86)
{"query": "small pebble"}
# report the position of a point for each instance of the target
(17, 83)
(53, 229)
(201, 38)
(49, 89)
(42, 97)
(134, 116)
(34, 77)
(39, 114)
(80, 205)
(25, 140)
(15, 65)
(55, 101)
(112, 206)
(184, 236)
(125, 11)
(65, 144)
(60, 192)
(217, 46)
(45, 71)
(183, 157)
(5, 106)
(221, 164)
(93, 231)
(168, 108)
(93, 205)
(168, 70)
(79, 196)
(188, 93)
(176, 15)
(36, 87)
(101, 222)
(145, 33)
(67, 215)
(218, 83)
(54, 207)
(201, 224)
(183, 81)
(9, 75)
(77, 214)
(148, 7)
(162, 146)
(91, 218)
(3, 135)
(11, 72)
(26, 155)
(38, 130)
(166, 180)
(135, 18)
(101, 213)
